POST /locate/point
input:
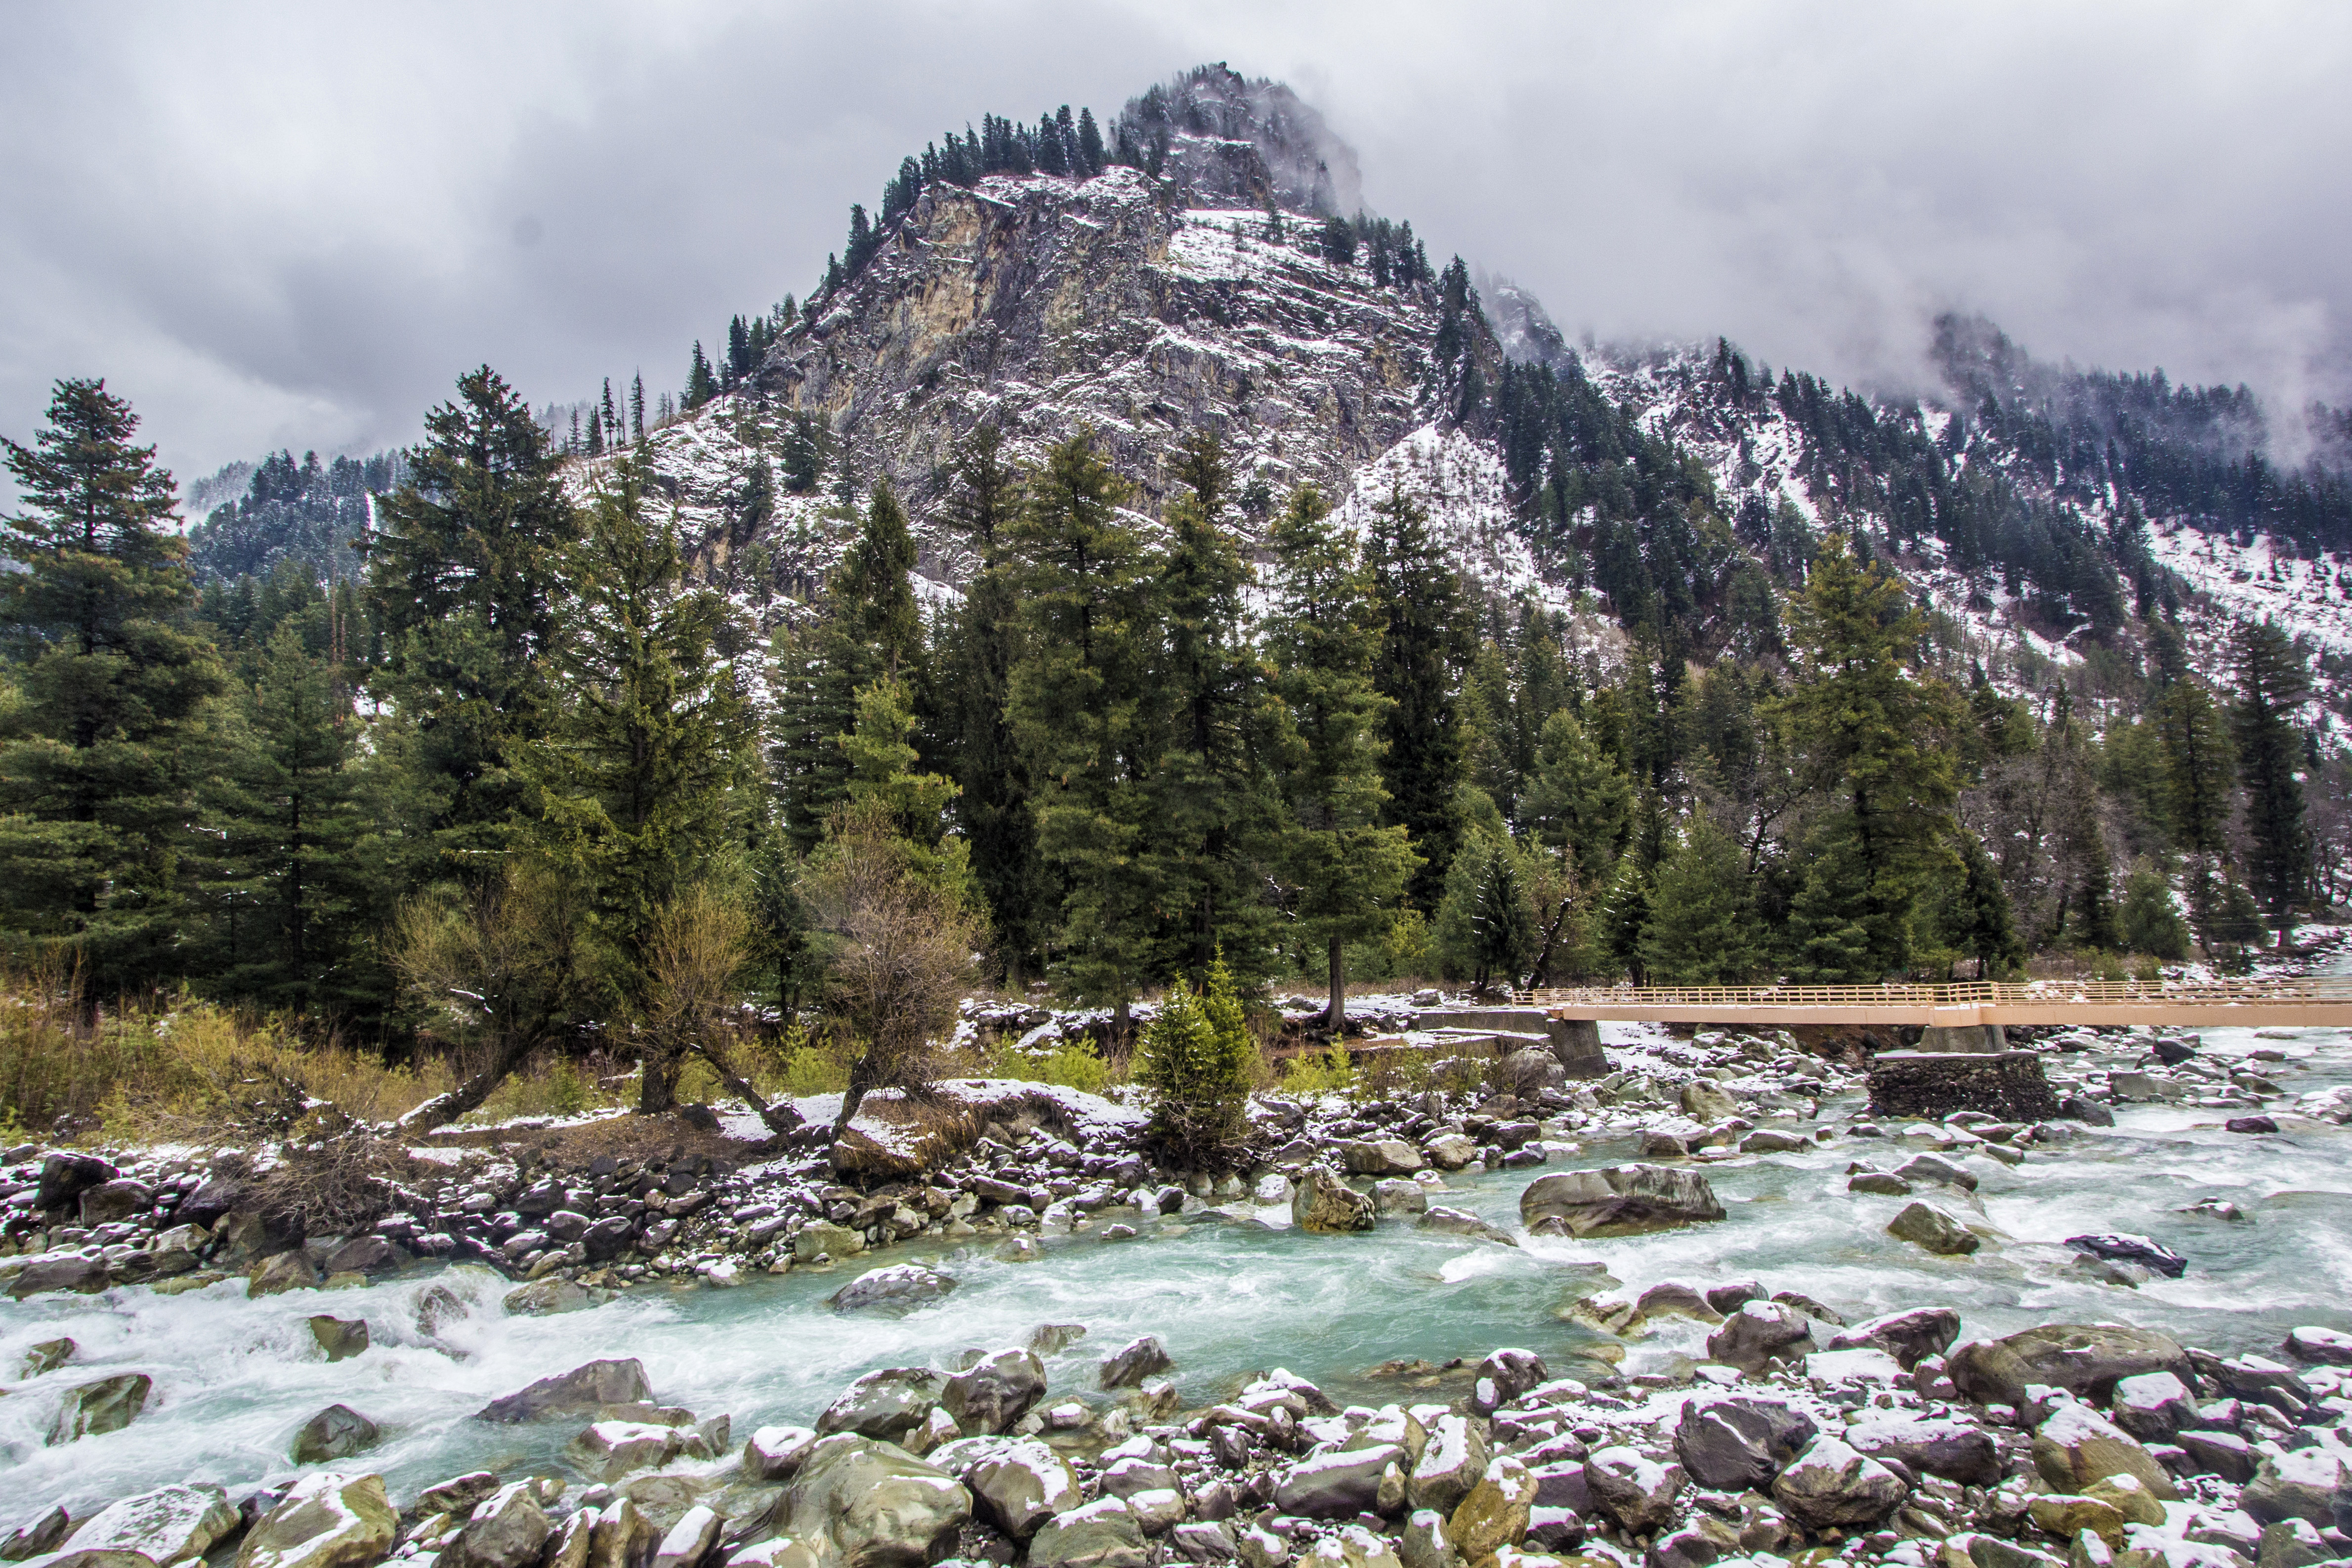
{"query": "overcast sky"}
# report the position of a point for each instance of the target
(294, 225)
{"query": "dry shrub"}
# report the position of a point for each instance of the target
(341, 1181)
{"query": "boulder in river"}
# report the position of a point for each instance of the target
(1105, 1534)
(281, 1272)
(51, 1355)
(2301, 1483)
(335, 1432)
(506, 1530)
(106, 1405)
(1620, 1200)
(901, 1287)
(1461, 1222)
(825, 1239)
(1017, 1483)
(2075, 1446)
(1761, 1332)
(1134, 1362)
(339, 1338)
(1497, 1513)
(86, 1276)
(996, 1392)
(543, 1297)
(1739, 1444)
(777, 1453)
(1935, 1228)
(1453, 1460)
(1910, 1337)
(1636, 1491)
(876, 1504)
(599, 1383)
(168, 1525)
(1955, 1450)
(2331, 1347)
(1381, 1157)
(1831, 1484)
(885, 1406)
(37, 1537)
(2082, 1358)
(325, 1520)
(1325, 1205)
(2117, 1247)
(1337, 1485)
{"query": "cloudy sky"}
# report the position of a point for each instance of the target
(295, 224)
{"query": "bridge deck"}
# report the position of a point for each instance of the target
(2325, 1003)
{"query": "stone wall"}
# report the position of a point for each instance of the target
(2005, 1084)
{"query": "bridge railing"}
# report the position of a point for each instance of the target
(1963, 993)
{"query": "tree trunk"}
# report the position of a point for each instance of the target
(656, 1081)
(443, 1109)
(1339, 991)
(781, 1118)
(851, 1098)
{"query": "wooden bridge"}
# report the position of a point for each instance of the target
(2323, 1001)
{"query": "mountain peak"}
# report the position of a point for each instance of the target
(1232, 142)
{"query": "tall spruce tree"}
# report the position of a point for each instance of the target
(1426, 641)
(637, 778)
(111, 684)
(1878, 742)
(1577, 802)
(2199, 770)
(1214, 815)
(464, 574)
(979, 644)
(296, 883)
(1344, 869)
(1703, 929)
(1079, 706)
(2272, 684)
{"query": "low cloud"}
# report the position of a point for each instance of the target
(284, 224)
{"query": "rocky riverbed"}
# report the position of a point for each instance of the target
(1703, 1309)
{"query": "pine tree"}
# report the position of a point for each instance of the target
(1090, 143)
(1345, 871)
(2272, 684)
(1425, 642)
(638, 408)
(1577, 802)
(872, 630)
(610, 418)
(1703, 929)
(595, 435)
(1077, 705)
(2095, 898)
(1194, 1059)
(1878, 742)
(293, 897)
(110, 686)
(464, 574)
(635, 778)
(701, 386)
(1501, 921)
(1976, 916)
(2197, 767)
(2148, 921)
(1213, 814)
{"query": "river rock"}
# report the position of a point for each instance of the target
(339, 1338)
(1451, 1151)
(1132, 1363)
(1761, 1332)
(1381, 1157)
(65, 1177)
(1053, 1339)
(2223, 1454)
(885, 1406)
(2123, 1248)
(108, 1405)
(2153, 1406)
(1102, 1534)
(85, 1276)
(506, 1529)
(1017, 1484)
(824, 1238)
(996, 1392)
(1505, 1374)
(2076, 1446)
(170, 1524)
(1460, 1222)
(1909, 1337)
(335, 1432)
(1708, 1101)
(901, 1287)
(1737, 1444)
(686, 1543)
(876, 1504)
(599, 1383)
(2065, 1517)
(2087, 1359)
(1621, 1200)
(2292, 1543)
(1453, 1460)
(458, 1494)
(611, 1449)
(1831, 1484)
(120, 1199)
(544, 1298)
(1636, 1491)
(324, 1521)
(51, 1355)
(1496, 1514)
(1398, 1196)
(1328, 1206)
(281, 1272)
(776, 1453)
(1939, 1446)
(1337, 1485)
(1935, 1169)
(2301, 1483)
(1935, 1228)
(37, 1538)
(2331, 1347)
